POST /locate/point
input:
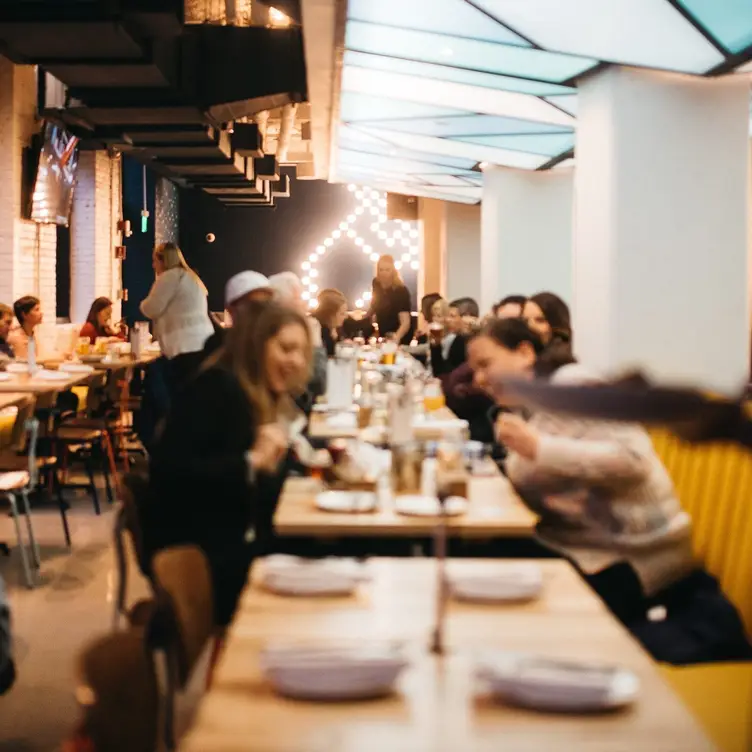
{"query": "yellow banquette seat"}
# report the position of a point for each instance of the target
(714, 484)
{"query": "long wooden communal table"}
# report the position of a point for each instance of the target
(21, 382)
(438, 706)
(494, 511)
(13, 399)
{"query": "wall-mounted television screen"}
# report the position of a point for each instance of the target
(55, 177)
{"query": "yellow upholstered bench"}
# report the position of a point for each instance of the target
(714, 484)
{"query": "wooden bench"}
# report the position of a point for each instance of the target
(714, 484)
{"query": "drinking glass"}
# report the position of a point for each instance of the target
(433, 396)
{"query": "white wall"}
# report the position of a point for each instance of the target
(661, 271)
(527, 232)
(462, 251)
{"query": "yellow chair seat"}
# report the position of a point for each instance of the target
(82, 392)
(719, 695)
(7, 421)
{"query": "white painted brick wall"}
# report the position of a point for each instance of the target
(27, 250)
(94, 234)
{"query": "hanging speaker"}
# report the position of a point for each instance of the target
(401, 207)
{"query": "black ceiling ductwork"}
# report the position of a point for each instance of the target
(247, 140)
(267, 167)
(282, 189)
(140, 80)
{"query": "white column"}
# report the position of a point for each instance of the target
(463, 278)
(660, 272)
(526, 237)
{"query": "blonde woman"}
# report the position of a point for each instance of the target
(178, 307)
(219, 464)
(331, 314)
(391, 306)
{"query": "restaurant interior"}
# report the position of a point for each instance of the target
(375, 375)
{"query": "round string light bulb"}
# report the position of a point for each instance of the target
(337, 234)
(306, 280)
(390, 242)
(352, 187)
(313, 303)
(374, 257)
(305, 265)
(328, 242)
(367, 295)
(351, 233)
(359, 241)
(358, 303)
(315, 273)
(305, 295)
(414, 265)
(350, 219)
(397, 265)
(313, 257)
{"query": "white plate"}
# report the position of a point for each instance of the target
(426, 506)
(323, 407)
(93, 358)
(17, 368)
(346, 501)
(558, 686)
(290, 575)
(4, 376)
(517, 583)
(76, 368)
(332, 673)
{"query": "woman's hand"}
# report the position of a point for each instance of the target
(270, 448)
(517, 435)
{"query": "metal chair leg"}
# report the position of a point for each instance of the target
(30, 529)
(92, 482)
(62, 506)
(102, 457)
(21, 546)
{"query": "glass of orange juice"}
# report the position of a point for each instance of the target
(433, 396)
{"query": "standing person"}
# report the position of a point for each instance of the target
(331, 314)
(178, 307)
(98, 322)
(390, 302)
(28, 311)
(6, 321)
(548, 316)
(288, 290)
(218, 467)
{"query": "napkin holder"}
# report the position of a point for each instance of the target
(340, 380)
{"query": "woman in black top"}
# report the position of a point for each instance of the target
(218, 467)
(331, 314)
(390, 302)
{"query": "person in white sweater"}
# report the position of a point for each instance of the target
(177, 305)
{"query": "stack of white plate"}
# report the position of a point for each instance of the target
(515, 584)
(555, 685)
(333, 672)
(17, 367)
(4, 376)
(290, 575)
(346, 501)
(428, 506)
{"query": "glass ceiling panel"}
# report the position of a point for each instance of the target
(443, 94)
(729, 21)
(468, 125)
(464, 53)
(354, 107)
(641, 32)
(442, 16)
(456, 75)
(410, 189)
(459, 149)
(445, 180)
(394, 163)
(547, 145)
(354, 140)
(567, 102)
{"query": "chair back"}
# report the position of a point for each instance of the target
(183, 587)
(714, 485)
(118, 692)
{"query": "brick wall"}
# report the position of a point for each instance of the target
(27, 250)
(94, 234)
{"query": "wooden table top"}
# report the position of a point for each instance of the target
(494, 510)
(11, 399)
(113, 365)
(438, 706)
(22, 382)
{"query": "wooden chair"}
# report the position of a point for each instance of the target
(184, 624)
(118, 692)
(22, 455)
(128, 524)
